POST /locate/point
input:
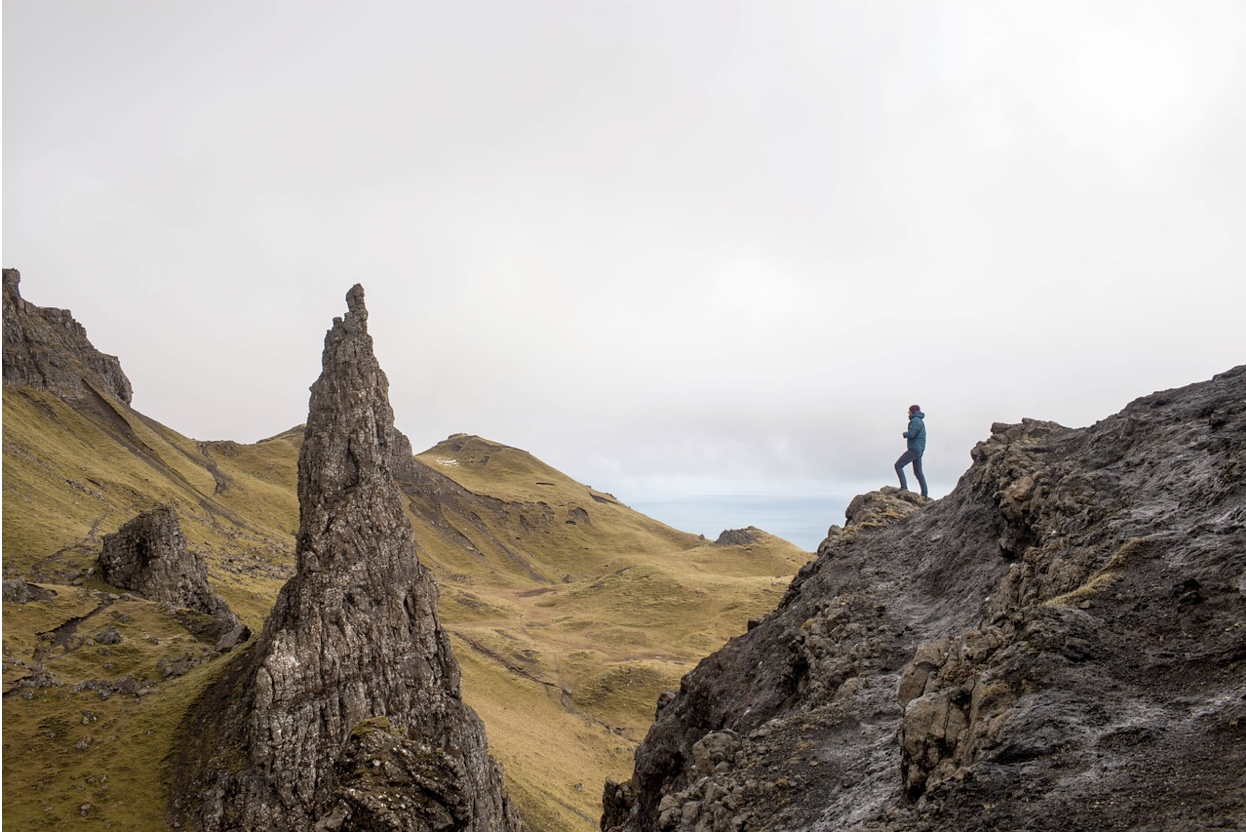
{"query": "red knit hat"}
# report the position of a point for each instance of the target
(913, 408)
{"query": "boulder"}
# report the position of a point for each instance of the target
(148, 556)
(17, 591)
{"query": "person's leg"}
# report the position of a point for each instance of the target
(917, 470)
(904, 459)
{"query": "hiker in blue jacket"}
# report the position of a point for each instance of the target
(916, 435)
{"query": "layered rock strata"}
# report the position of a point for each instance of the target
(46, 348)
(1058, 644)
(352, 654)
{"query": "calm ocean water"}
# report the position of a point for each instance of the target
(800, 519)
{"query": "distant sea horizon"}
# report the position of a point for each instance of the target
(799, 519)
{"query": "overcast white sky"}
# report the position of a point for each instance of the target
(671, 248)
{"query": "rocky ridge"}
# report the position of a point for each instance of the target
(352, 660)
(1057, 644)
(46, 348)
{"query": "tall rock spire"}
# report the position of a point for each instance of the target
(352, 657)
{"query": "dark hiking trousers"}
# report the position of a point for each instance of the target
(914, 457)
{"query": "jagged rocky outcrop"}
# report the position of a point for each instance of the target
(738, 537)
(352, 661)
(17, 591)
(46, 348)
(1060, 643)
(148, 556)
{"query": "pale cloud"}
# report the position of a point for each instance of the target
(669, 248)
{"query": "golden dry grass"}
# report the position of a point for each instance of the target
(569, 612)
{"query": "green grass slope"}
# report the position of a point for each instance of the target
(78, 748)
(569, 612)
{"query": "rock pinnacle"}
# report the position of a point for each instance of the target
(353, 649)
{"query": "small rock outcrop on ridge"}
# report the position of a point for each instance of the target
(738, 537)
(1060, 643)
(46, 348)
(352, 670)
(149, 557)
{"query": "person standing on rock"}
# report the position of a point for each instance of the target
(916, 435)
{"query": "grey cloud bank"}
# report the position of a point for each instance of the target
(671, 249)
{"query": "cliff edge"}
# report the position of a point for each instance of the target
(1057, 644)
(46, 348)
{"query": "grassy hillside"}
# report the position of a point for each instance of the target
(77, 748)
(569, 612)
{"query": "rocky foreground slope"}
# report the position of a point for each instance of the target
(1058, 644)
(347, 713)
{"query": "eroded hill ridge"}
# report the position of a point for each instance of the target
(46, 348)
(1060, 643)
(347, 713)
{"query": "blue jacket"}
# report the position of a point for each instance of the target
(916, 434)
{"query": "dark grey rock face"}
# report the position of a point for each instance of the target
(353, 638)
(738, 537)
(389, 782)
(1058, 644)
(149, 557)
(47, 348)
